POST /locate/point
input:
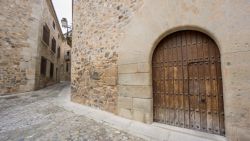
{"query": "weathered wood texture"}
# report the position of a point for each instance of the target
(187, 82)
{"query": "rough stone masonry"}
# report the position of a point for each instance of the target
(125, 33)
(22, 46)
(98, 30)
(17, 69)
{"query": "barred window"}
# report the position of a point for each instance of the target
(53, 45)
(54, 25)
(58, 52)
(46, 34)
(51, 70)
(67, 67)
(43, 66)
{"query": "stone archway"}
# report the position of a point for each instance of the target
(187, 82)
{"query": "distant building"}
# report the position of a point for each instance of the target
(68, 37)
(183, 63)
(65, 62)
(34, 51)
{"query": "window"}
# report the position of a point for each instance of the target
(43, 66)
(54, 25)
(67, 56)
(46, 34)
(57, 74)
(67, 67)
(58, 52)
(51, 70)
(53, 45)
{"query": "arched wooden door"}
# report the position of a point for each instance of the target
(187, 82)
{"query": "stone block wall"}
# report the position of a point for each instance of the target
(21, 45)
(48, 17)
(134, 84)
(18, 45)
(226, 22)
(98, 30)
(120, 40)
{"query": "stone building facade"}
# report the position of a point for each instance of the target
(65, 62)
(94, 56)
(22, 45)
(113, 46)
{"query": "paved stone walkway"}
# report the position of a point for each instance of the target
(34, 116)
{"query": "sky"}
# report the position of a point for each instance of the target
(63, 9)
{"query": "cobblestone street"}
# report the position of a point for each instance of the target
(34, 116)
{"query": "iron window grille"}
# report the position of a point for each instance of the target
(43, 66)
(53, 45)
(46, 34)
